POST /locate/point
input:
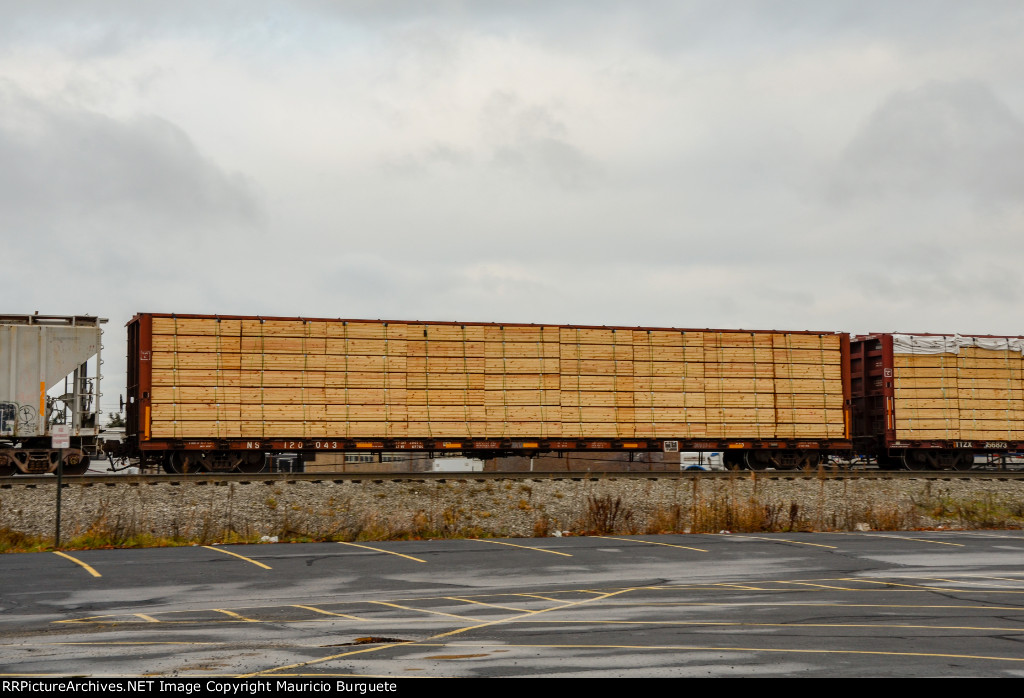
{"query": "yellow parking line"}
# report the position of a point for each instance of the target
(963, 582)
(538, 596)
(327, 613)
(481, 603)
(651, 542)
(381, 550)
(896, 584)
(782, 540)
(920, 540)
(423, 610)
(88, 569)
(240, 557)
(526, 547)
(820, 586)
(235, 615)
(1002, 579)
(377, 648)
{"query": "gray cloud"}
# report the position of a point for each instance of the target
(942, 139)
(59, 164)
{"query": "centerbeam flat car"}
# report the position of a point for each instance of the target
(219, 392)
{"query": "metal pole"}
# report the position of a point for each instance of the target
(60, 487)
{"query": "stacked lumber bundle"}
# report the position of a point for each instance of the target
(252, 378)
(971, 394)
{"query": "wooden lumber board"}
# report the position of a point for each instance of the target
(189, 343)
(449, 381)
(760, 355)
(654, 352)
(749, 340)
(928, 413)
(282, 362)
(945, 382)
(953, 433)
(809, 431)
(205, 393)
(935, 393)
(1009, 374)
(669, 369)
(975, 383)
(1004, 415)
(441, 396)
(196, 326)
(1013, 373)
(292, 396)
(660, 338)
(907, 425)
(577, 398)
(992, 434)
(521, 381)
(969, 403)
(515, 366)
(367, 347)
(533, 333)
(446, 413)
(916, 403)
(520, 350)
(815, 342)
(577, 335)
(595, 367)
(950, 372)
(980, 353)
(674, 431)
(285, 429)
(445, 364)
(196, 430)
(481, 430)
(357, 329)
(604, 352)
(832, 401)
(679, 399)
(512, 350)
(445, 333)
(656, 384)
(168, 411)
(571, 398)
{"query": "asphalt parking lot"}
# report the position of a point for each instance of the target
(829, 604)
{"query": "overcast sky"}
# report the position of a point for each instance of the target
(852, 166)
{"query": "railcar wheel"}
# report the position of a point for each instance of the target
(963, 460)
(183, 463)
(252, 463)
(7, 470)
(733, 460)
(76, 463)
(915, 460)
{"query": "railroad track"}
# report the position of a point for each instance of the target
(273, 478)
